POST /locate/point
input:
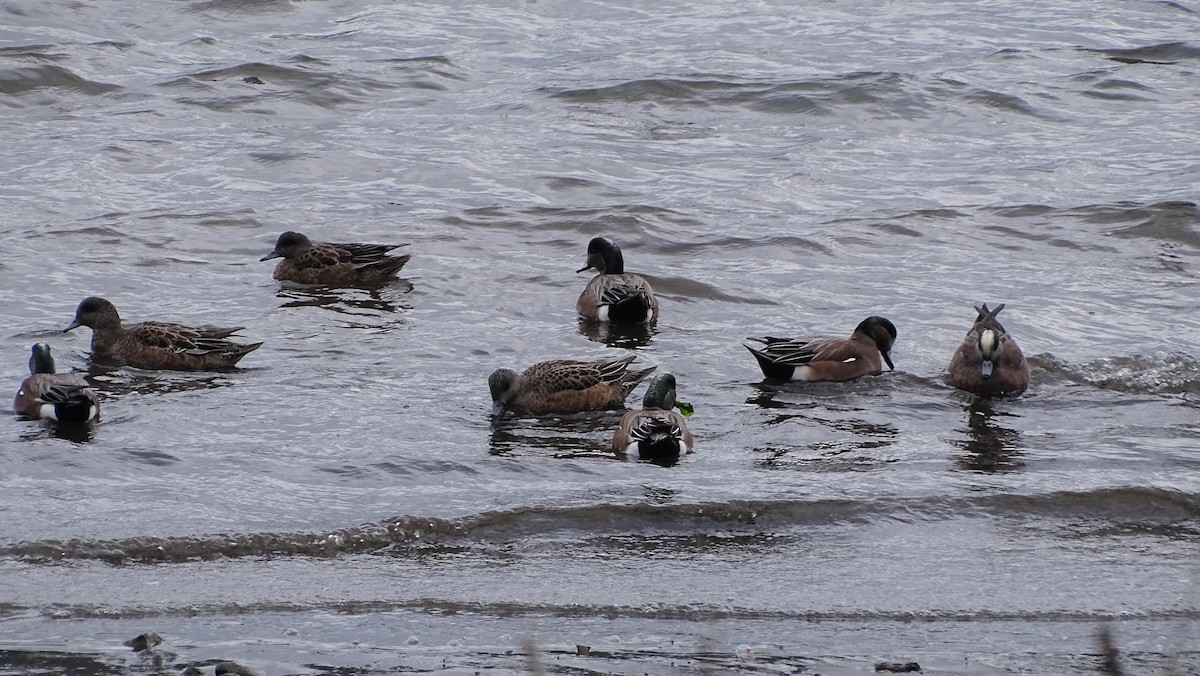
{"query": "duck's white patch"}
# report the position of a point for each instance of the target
(47, 412)
(684, 449)
(632, 449)
(603, 313)
(988, 343)
(802, 373)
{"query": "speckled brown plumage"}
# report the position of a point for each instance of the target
(330, 264)
(157, 345)
(565, 386)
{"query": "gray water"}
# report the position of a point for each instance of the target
(342, 503)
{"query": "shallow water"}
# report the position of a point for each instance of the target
(343, 504)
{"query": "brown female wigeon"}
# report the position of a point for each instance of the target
(329, 264)
(157, 345)
(564, 386)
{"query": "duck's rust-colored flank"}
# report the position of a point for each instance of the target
(828, 359)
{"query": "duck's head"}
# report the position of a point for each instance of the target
(604, 256)
(503, 384)
(41, 361)
(288, 245)
(883, 332)
(96, 313)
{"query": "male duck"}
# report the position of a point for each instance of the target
(64, 397)
(307, 262)
(564, 386)
(614, 295)
(157, 345)
(828, 359)
(655, 433)
(989, 361)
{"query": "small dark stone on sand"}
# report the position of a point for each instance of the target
(144, 641)
(235, 669)
(898, 667)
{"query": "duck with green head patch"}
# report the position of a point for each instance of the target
(656, 433)
(63, 397)
(614, 295)
(824, 358)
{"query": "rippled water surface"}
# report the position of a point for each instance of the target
(343, 504)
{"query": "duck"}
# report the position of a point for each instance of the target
(157, 345)
(46, 394)
(827, 359)
(989, 362)
(614, 295)
(328, 264)
(564, 386)
(656, 433)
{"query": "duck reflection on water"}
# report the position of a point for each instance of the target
(989, 447)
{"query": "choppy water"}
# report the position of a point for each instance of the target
(342, 504)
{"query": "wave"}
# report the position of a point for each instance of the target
(1168, 373)
(1166, 53)
(32, 78)
(657, 611)
(890, 94)
(1157, 505)
(307, 80)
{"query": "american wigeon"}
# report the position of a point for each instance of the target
(564, 386)
(614, 295)
(989, 361)
(65, 397)
(828, 359)
(655, 433)
(157, 345)
(329, 264)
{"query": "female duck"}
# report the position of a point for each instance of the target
(354, 264)
(157, 345)
(564, 386)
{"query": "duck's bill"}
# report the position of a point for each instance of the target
(73, 325)
(273, 254)
(497, 409)
(986, 369)
(586, 267)
(887, 357)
